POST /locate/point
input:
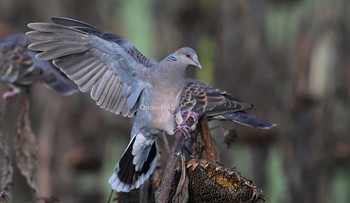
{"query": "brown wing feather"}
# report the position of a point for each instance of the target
(202, 98)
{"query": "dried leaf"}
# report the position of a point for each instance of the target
(26, 146)
(6, 169)
(192, 164)
(229, 136)
(157, 176)
(4, 198)
(181, 194)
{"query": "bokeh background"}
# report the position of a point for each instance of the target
(288, 57)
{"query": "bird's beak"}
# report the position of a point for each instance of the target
(197, 64)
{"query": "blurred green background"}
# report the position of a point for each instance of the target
(289, 58)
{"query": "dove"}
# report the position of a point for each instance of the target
(122, 80)
(19, 67)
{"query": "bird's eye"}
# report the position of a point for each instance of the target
(188, 55)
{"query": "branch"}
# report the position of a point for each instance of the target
(205, 132)
(162, 194)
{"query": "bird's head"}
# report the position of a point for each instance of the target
(186, 56)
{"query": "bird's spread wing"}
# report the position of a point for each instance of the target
(202, 98)
(106, 65)
(121, 41)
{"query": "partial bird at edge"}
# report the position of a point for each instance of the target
(19, 67)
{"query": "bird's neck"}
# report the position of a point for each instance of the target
(172, 70)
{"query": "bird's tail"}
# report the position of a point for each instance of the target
(247, 119)
(136, 164)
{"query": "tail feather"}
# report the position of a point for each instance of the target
(247, 119)
(136, 164)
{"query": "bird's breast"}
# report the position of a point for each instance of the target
(162, 109)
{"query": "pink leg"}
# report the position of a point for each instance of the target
(184, 129)
(11, 93)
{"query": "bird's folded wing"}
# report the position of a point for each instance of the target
(88, 56)
(202, 98)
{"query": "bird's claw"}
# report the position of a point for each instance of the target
(194, 116)
(184, 130)
(191, 114)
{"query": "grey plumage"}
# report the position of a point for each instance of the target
(18, 66)
(122, 80)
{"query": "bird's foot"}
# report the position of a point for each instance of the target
(184, 130)
(194, 116)
(9, 94)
